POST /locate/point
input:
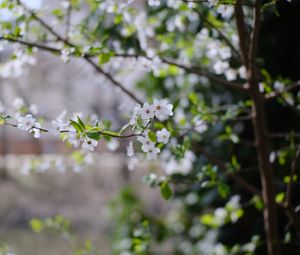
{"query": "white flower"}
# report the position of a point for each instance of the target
(200, 126)
(162, 109)
(33, 109)
(146, 143)
(36, 130)
(163, 136)
(89, 144)
(130, 150)
(1, 108)
(18, 103)
(278, 86)
(135, 114)
(152, 153)
(183, 166)
(225, 10)
(212, 2)
(230, 74)
(74, 138)
(113, 145)
(132, 162)
(57, 126)
(220, 215)
(154, 2)
(242, 72)
(65, 4)
(220, 67)
(65, 55)
(147, 111)
(26, 123)
(225, 52)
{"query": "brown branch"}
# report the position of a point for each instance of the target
(289, 88)
(99, 132)
(291, 181)
(191, 69)
(254, 38)
(31, 44)
(222, 2)
(283, 135)
(87, 58)
(242, 32)
(223, 36)
(211, 77)
(222, 166)
(68, 19)
(260, 128)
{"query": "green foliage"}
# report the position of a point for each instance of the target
(165, 190)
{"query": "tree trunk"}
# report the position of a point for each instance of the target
(266, 172)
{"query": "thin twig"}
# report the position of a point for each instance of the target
(87, 58)
(222, 166)
(289, 88)
(291, 181)
(99, 132)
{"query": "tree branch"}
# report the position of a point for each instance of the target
(242, 31)
(222, 166)
(275, 94)
(87, 58)
(291, 181)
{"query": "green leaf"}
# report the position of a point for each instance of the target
(104, 57)
(165, 190)
(209, 220)
(118, 19)
(36, 225)
(258, 203)
(78, 128)
(81, 123)
(58, 13)
(194, 98)
(280, 197)
(152, 136)
(94, 135)
(223, 189)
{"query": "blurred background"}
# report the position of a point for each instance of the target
(86, 196)
(83, 195)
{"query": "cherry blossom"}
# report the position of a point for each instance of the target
(89, 144)
(130, 150)
(146, 143)
(74, 138)
(147, 111)
(163, 136)
(36, 130)
(57, 126)
(152, 153)
(26, 123)
(162, 109)
(225, 10)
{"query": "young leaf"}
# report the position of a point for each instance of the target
(81, 123)
(78, 128)
(165, 190)
(152, 136)
(94, 135)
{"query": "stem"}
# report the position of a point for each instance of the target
(266, 173)
(261, 135)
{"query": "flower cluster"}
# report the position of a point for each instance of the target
(160, 109)
(58, 126)
(76, 133)
(29, 123)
